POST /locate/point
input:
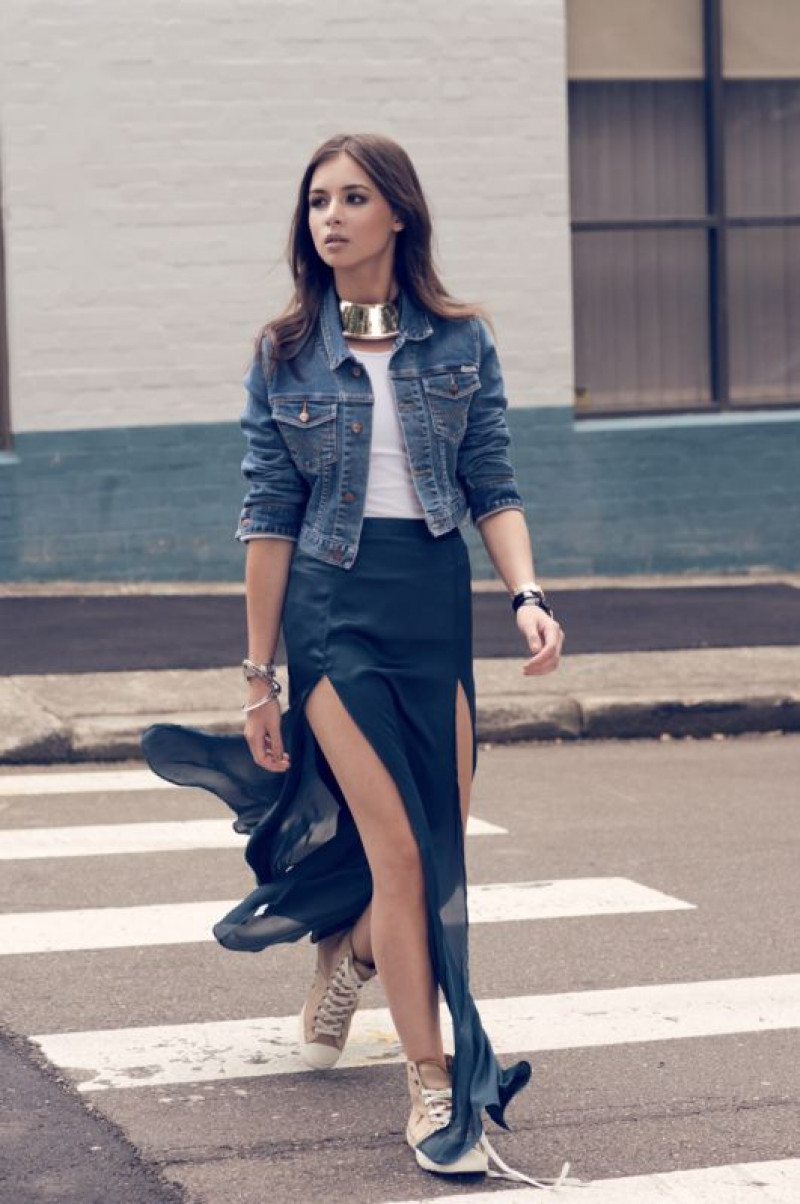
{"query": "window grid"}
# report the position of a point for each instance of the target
(717, 223)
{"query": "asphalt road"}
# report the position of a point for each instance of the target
(672, 1041)
(97, 634)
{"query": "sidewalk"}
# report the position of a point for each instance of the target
(698, 692)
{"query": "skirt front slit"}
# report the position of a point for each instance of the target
(394, 636)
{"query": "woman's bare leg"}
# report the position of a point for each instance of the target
(397, 913)
(362, 933)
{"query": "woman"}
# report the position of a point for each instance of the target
(375, 422)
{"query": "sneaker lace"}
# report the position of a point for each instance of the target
(507, 1172)
(339, 1001)
(438, 1103)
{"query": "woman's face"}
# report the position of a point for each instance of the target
(344, 202)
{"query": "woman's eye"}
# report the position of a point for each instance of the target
(316, 201)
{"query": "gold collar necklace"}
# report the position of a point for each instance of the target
(369, 321)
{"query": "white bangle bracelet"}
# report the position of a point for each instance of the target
(252, 706)
(526, 585)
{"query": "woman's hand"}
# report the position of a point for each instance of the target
(262, 731)
(543, 636)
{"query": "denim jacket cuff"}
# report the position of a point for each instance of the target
(491, 498)
(275, 519)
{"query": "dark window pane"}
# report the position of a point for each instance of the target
(764, 275)
(762, 131)
(641, 320)
(636, 149)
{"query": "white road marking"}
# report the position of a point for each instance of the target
(743, 1183)
(500, 902)
(186, 923)
(233, 1049)
(78, 781)
(482, 827)
(102, 840)
(43, 785)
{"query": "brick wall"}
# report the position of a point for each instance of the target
(151, 155)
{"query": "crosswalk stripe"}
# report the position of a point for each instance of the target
(184, 923)
(78, 781)
(102, 840)
(96, 840)
(740, 1183)
(232, 1049)
(41, 786)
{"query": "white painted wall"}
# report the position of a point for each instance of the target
(151, 155)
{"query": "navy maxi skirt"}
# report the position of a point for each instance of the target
(394, 635)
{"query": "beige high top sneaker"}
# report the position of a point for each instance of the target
(333, 999)
(429, 1084)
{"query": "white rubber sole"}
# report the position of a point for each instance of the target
(317, 1056)
(474, 1162)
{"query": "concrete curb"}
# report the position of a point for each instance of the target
(117, 738)
(700, 693)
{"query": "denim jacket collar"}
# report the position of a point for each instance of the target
(414, 324)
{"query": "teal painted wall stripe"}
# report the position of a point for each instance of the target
(653, 422)
(161, 503)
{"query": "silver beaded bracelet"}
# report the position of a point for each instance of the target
(251, 669)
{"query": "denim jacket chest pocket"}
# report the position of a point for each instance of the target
(448, 392)
(307, 423)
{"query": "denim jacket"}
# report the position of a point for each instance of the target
(308, 432)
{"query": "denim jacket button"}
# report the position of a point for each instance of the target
(356, 428)
(356, 370)
(348, 497)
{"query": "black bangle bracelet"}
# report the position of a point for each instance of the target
(529, 595)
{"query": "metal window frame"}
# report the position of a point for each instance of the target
(717, 223)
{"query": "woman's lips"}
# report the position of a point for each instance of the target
(335, 242)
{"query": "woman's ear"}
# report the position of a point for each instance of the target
(397, 223)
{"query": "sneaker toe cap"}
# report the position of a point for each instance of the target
(316, 1054)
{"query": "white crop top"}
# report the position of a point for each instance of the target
(390, 489)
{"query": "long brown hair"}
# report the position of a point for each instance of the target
(393, 174)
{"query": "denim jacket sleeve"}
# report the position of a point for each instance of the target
(484, 466)
(275, 502)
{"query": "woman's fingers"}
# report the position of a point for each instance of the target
(545, 639)
(279, 758)
(263, 735)
(258, 748)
